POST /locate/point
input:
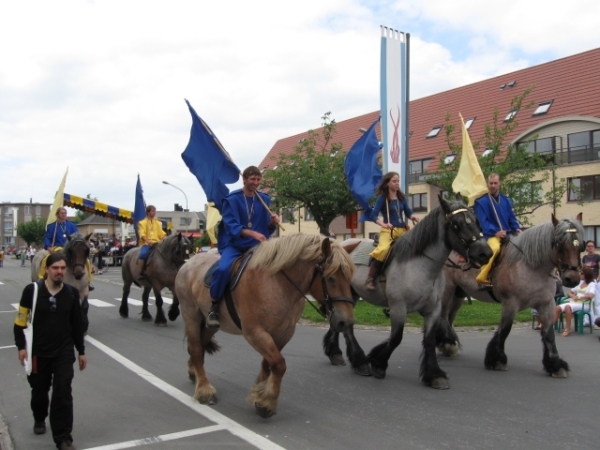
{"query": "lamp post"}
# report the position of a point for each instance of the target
(186, 206)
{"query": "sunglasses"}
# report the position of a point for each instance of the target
(52, 304)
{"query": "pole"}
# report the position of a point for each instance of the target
(186, 206)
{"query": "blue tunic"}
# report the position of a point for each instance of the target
(396, 208)
(60, 238)
(484, 209)
(239, 213)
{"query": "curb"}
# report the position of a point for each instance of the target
(5, 440)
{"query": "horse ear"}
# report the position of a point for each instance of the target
(554, 220)
(179, 237)
(326, 247)
(444, 204)
(68, 237)
(580, 217)
(87, 238)
(459, 197)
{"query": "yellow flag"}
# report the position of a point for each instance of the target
(469, 180)
(212, 221)
(58, 200)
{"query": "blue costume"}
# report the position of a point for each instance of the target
(56, 234)
(396, 207)
(239, 212)
(488, 218)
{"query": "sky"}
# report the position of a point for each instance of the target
(99, 86)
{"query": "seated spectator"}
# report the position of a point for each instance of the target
(591, 258)
(585, 290)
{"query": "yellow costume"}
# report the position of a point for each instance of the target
(151, 229)
(386, 237)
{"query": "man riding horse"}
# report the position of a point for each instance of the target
(57, 234)
(498, 221)
(246, 223)
(149, 233)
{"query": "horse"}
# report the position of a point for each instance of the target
(268, 300)
(414, 282)
(522, 277)
(77, 252)
(165, 259)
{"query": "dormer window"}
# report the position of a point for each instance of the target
(434, 132)
(511, 115)
(543, 108)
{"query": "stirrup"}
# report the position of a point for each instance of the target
(212, 319)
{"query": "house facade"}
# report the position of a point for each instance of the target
(13, 214)
(563, 124)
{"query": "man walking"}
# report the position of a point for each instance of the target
(58, 326)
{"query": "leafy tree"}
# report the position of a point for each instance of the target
(202, 241)
(312, 176)
(522, 172)
(33, 231)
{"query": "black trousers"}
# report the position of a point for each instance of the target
(57, 373)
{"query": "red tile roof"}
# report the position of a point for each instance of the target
(572, 83)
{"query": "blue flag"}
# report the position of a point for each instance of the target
(363, 173)
(208, 161)
(139, 211)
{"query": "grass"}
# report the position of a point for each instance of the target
(474, 314)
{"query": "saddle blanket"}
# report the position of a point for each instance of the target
(360, 255)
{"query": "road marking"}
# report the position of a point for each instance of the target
(162, 438)
(132, 302)
(167, 300)
(8, 346)
(100, 303)
(233, 427)
(1, 282)
(15, 305)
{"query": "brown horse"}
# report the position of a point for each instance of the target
(164, 261)
(523, 277)
(77, 251)
(269, 300)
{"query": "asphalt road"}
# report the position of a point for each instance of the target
(136, 393)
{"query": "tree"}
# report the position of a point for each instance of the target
(522, 172)
(312, 177)
(33, 231)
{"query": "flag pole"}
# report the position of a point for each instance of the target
(231, 160)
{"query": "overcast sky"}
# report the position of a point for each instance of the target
(99, 86)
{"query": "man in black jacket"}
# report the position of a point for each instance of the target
(57, 324)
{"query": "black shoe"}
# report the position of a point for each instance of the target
(66, 445)
(91, 287)
(212, 320)
(39, 428)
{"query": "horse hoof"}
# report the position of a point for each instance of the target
(173, 317)
(147, 319)
(560, 373)
(124, 316)
(378, 373)
(440, 383)
(448, 351)
(501, 367)
(161, 324)
(263, 411)
(211, 400)
(337, 360)
(363, 371)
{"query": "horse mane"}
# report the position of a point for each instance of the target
(282, 253)
(422, 235)
(533, 244)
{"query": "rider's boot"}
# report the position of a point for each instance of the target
(141, 264)
(212, 319)
(373, 269)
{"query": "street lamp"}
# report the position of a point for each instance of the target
(188, 220)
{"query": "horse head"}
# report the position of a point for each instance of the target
(463, 232)
(331, 284)
(180, 248)
(77, 251)
(567, 245)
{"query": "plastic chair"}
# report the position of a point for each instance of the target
(560, 323)
(578, 316)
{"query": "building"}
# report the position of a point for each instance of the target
(189, 223)
(564, 121)
(14, 214)
(105, 226)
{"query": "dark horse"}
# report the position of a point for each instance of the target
(414, 282)
(269, 300)
(165, 259)
(77, 252)
(523, 277)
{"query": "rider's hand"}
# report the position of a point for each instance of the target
(501, 234)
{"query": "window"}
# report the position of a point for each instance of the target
(583, 146)
(38, 210)
(434, 132)
(418, 202)
(469, 122)
(287, 215)
(584, 188)
(8, 227)
(592, 232)
(308, 216)
(417, 169)
(542, 108)
(185, 221)
(531, 192)
(166, 219)
(488, 151)
(511, 115)
(27, 210)
(8, 212)
(449, 159)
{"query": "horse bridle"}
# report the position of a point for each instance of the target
(176, 250)
(326, 309)
(472, 239)
(555, 244)
(68, 251)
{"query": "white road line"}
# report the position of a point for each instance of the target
(12, 311)
(132, 301)
(1, 282)
(167, 300)
(15, 305)
(162, 438)
(233, 427)
(100, 303)
(8, 346)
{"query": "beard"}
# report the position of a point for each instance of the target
(56, 283)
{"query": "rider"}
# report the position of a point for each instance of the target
(497, 219)
(391, 202)
(246, 223)
(149, 233)
(56, 237)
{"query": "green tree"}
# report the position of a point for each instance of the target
(312, 176)
(522, 172)
(33, 231)
(202, 241)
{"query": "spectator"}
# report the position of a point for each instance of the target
(585, 290)
(591, 258)
(2, 257)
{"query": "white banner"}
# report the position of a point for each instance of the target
(394, 102)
